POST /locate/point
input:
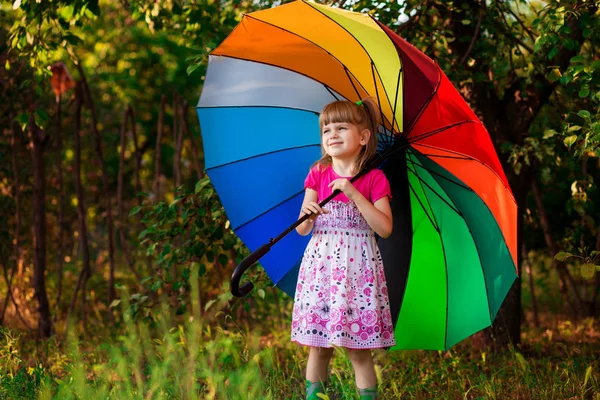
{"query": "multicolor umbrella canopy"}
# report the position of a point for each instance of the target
(453, 254)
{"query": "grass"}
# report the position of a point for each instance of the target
(244, 352)
(196, 361)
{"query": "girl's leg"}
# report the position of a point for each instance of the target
(318, 364)
(317, 371)
(364, 369)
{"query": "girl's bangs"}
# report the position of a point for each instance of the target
(339, 111)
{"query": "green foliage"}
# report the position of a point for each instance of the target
(189, 235)
(589, 264)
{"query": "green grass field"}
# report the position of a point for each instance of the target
(241, 350)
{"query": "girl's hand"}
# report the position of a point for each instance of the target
(344, 186)
(313, 209)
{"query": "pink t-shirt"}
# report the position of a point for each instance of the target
(373, 185)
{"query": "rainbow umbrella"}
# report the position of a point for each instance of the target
(453, 254)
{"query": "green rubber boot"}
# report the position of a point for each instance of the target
(313, 389)
(368, 393)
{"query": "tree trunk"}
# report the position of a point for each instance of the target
(159, 129)
(186, 130)
(105, 183)
(81, 212)
(120, 209)
(564, 275)
(177, 141)
(138, 154)
(9, 294)
(15, 132)
(534, 308)
(38, 142)
(61, 208)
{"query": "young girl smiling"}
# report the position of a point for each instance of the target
(341, 296)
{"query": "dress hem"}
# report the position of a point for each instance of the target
(328, 345)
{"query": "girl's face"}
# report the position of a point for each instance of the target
(344, 140)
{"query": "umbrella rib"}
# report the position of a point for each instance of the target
(310, 41)
(461, 156)
(352, 82)
(435, 192)
(267, 211)
(425, 135)
(400, 129)
(474, 241)
(450, 157)
(440, 175)
(331, 92)
(479, 197)
(431, 96)
(366, 52)
(431, 219)
(256, 106)
(261, 155)
(444, 150)
(379, 100)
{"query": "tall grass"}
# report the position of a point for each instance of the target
(214, 355)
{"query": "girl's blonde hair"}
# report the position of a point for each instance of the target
(365, 115)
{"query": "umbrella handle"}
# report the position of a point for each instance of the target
(246, 263)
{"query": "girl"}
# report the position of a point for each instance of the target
(341, 295)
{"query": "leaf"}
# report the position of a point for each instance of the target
(466, 21)
(521, 360)
(192, 68)
(114, 303)
(135, 210)
(208, 304)
(66, 12)
(570, 140)
(261, 293)
(578, 59)
(22, 119)
(549, 133)
(552, 53)
(16, 4)
(554, 75)
(562, 256)
(584, 92)
(584, 114)
(574, 128)
(201, 184)
(223, 259)
(588, 270)
(41, 117)
(588, 375)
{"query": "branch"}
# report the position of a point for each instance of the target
(413, 19)
(475, 35)
(525, 28)
(9, 292)
(512, 37)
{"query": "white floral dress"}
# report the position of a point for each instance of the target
(341, 296)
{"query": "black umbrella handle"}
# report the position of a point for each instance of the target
(247, 262)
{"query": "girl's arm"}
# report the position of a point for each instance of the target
(378, 215)
(309, 206)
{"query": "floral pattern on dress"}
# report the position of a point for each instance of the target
(341, 296)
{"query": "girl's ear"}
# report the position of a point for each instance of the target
(365, 136)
